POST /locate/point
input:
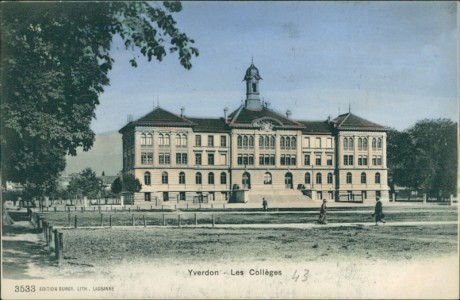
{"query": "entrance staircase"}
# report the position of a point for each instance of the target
(279, 197)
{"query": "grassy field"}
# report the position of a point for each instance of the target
(91, 218)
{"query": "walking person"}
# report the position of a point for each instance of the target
(322, 219)
(378, 213)
(264, 204)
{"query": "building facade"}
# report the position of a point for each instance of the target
(254, 152)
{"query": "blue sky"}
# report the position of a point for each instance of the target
(394, 62)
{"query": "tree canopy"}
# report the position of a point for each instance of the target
(85, 184)
(54, 65)
(424, 157)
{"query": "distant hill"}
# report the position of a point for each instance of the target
(105, 155)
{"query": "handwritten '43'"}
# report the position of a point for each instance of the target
(306, 274)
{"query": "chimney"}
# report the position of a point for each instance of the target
(225, 114)
(182, 109)
(288, 113)
(130, 118)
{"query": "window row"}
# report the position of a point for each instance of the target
(267, 142)
(146, 139)
(318, 160)
(362, 160)
(288, 142)
(245, 141)
(363, 178)
(223, 140)
(181, 179)
(348, 143)
(245, 159)
(319, 178)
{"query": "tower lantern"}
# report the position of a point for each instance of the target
(252, 78)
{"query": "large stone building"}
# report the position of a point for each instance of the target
(254, 152)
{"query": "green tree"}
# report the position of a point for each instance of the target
(54, 64)
(116, 186)
(131, 184)
(85, 184)
(424, 157)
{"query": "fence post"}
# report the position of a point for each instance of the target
(102, 222)
(164, 221)
(45, 232)
(110, 220)
(50, 236)
(393, 196)
(132, 219)
(61, 247)
(196, 220)
(55, 208)
(76, 222)
(224, 205)
(178, 221)
(213, 223)
(82, 209)
(39, 224)
(68, 219)
(187, 205)
(424, 198)
(145, 225)
(56, 243)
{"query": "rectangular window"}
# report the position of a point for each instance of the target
(210, 159)
(331, 195)
(251, 160)
(360, 160)
(143, 158)
(306, 159)
(223, 159)
(182, 196)
(198, 140)
(240, 159)
(350, 160)
(210, 141)
(329, 143)
(266, 159)
(223, 141)
(293, 160)
(272, 160)
(319, 195)
(165, 196)
(198, 158)
(318, 160)
(318, 142)
(147, 197)
(379, 160)
(261, 160)
(329, 160)
(378, 194)
(283, 160)
(245, 160)
(364, 160)
(181, 158)
(306, 142)
(164, 159)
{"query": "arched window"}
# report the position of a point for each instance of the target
(198, 178)
(161, 139)
(351, 144)
(267, 142)
(379, 143)
(288, 143)
(377, 177)
(167, 140)
(251, 141)
(345, 143)
(245, 141)
(211, 178)
(223, 178)
(164, 178)
(319, 178)
(272, 142)
(363, 177)
(240, 141)
(267, 178)
(282, 142)
(181, 178)
(329, 178)
(178, 140)
(184, 140)
(147, 178)
(360, 144)
(365, 144)
(143, 139)
(261, 141)
(349, 180)
(307, 178)
(374, 143)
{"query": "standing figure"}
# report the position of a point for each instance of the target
(378, 213)
(322, 219)
(264, 204)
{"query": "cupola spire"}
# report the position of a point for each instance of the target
(252, 78)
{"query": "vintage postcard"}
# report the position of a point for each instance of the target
(229, 150)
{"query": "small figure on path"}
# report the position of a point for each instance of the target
(322, 219)
(378, 212)
(264, 204)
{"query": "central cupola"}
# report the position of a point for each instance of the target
(252, 78)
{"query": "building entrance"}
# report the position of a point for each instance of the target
(288, 181)
(246, 181)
